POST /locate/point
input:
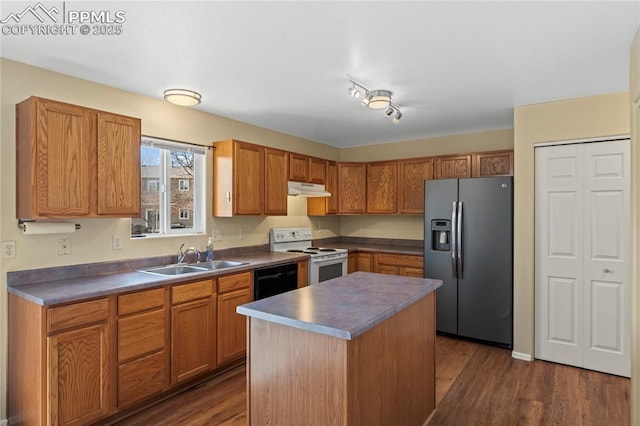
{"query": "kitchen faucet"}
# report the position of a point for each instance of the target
(183, 254)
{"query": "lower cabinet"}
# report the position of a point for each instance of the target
(303, 273)
(141, 346)
(234, 290)
(193, 330)
(399, 264)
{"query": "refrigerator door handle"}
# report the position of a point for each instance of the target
(459, 261)
(454, 263)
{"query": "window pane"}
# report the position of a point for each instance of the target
(182, 196)
(150, 197)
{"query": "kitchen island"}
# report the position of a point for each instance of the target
(354, 350)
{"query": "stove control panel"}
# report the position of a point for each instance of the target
(283, 235)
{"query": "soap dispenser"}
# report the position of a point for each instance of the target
(209, 250)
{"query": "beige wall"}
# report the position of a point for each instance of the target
(159, 118)
(634, 90)
(596, 116)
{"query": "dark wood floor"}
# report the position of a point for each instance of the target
(475, 385)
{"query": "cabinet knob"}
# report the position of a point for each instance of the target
(606, 271)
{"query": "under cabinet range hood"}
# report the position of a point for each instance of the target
(307, 189)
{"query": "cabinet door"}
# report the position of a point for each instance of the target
(352, 182)
(248, 175)
(118, 165)
(412, 174)
(275, 182)
(232, 327)
(192, 339)
(65, 144)
(79, 372)
(382, 187)
(352, 263)
(303, 273)
(317, 170)
(386, 269)
(365, 262)
(141, 378)
(453, 166)
(496, 163)
(298, 167)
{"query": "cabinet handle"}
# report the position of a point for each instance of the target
(227, 196)
(606, 271)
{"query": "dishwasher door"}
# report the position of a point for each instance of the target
(274, 280)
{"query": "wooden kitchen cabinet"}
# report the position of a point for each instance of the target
(298, 167)
(398, 264)
(275, 181)
(245, 175)
(73, 161)
(382, 185)
(364, 262)
(193, 330)
(234, 290)
(317, 170)
(303, 273)
(142, 346)
(352, 184)
(411, 176)
(322, 206)
(453, 166)
(493, 163)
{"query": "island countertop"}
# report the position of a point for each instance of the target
(343, 307)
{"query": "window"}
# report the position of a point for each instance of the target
(172, 198)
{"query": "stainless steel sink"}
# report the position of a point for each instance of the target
(192, 268)
(174, 270)
(219, 264)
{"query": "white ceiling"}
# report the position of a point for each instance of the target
(453, 67)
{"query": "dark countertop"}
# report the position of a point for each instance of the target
(343, 307)
(79, 288)
(380, 248)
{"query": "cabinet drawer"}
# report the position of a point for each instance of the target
(234, 282)
(77, 314)
(399, 260)
(193, 291)
(141, 378)
(140, 301)
(141, 334)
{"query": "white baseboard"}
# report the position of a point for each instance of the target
(521, 356)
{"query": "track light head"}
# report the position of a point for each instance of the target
(397, 118)
(388, 112)
(367, 99)
(353, 91)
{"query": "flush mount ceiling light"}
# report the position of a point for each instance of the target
(376, 99)
(182, 97)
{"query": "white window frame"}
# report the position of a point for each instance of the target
(184, 187)
(153, 185)
(199, 198)
(184, 214)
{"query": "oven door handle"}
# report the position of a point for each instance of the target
(332, 260)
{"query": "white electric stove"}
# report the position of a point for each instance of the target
(324, 262)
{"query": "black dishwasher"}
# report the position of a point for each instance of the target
(274, 280)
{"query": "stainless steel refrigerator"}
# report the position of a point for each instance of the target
(468, 244)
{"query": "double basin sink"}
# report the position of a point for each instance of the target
(191, 268)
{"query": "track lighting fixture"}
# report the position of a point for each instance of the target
(376, 99)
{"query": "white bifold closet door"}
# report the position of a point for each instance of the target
(582, 247)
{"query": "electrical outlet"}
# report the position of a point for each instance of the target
(116, 242)
(241, 234)
(64, 246)
(216, 235)
(8, 249)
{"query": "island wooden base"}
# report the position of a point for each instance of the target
(385, 376)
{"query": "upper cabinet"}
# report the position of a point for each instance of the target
(411, 176)
(322, 206)
(74, 161)
(303, 168)
(352, 178)
(495, 163)
(453, 166)
(249, 179)
(382, 183)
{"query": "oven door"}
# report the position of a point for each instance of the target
(326, 269)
